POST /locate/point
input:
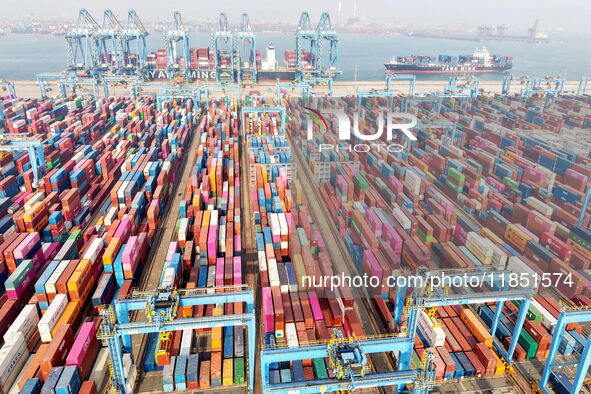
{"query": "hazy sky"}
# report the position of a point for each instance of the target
(569, 15)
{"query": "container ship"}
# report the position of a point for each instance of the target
(202, 65)
(481, 61)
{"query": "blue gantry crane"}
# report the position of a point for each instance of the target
(435, 100)
(223, 44)
(223, 87)
(43, 83)
(306, 41)
(82, 50)
(582, 90)
(462, 87)
(134, 47)
(178, 59)
(411, 79)
(280, 110)
(327, 49)
(173, 92)
(576, 315)
(133, 82)
(284, 89)
(31, 145)
(108, 39)
(322, 46)
(75, 83)
(550, 88)
(246, 52)
(160, 309)
(358, 349)
(8, 87)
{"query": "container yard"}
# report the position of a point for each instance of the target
(215, 238)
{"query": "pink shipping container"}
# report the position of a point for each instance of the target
(130, 257)
(237, 270)
(124, 230)
(315, 305)
(268, 312)
(21, 251)
(84, 350)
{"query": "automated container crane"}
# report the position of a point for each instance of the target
(284, 89)
(223, 43)
(108, 38)
(82, 45)
(8, 87)
(224, 87)
(412, 79)
(134, 48)
(22, 142)
(178, 60)
(574, 315)
(160, 309)
(42, 82)
(550, 88)
(246, 51)
(582, 90)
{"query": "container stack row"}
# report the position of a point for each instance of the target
(495, 196)
(81, 236)
(289, 249)
(206, 252)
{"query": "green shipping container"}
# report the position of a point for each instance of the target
(319, 368)
(360, 181)
(528, 344)
(239, 370)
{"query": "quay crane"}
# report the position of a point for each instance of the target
(223, 43)
(108, 39)
(134, 46)
(245, 50)
(81, 41)
(178, 61)
(322, 44)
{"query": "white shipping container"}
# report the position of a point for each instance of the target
(130, 382)
(111, 216)
(539, 206)
(186, 342)
(13, 356)
(283, 225)
(548, 320)
(292, 335)
(401, 218)
(37, 197)
(274, 221)
(25, 323)
(100, 370)
(262, 261)
(93, 251)
(15, 389)
(50, 284)
(51, 316)
(213, 218)
(273, 272)
(435, 336)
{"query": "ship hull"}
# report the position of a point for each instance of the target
(210, 75)
(440, 70)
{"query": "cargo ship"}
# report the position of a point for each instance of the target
(202, 65)
(481, 61)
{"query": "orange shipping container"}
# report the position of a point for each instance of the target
(112, 250)
(57, 351)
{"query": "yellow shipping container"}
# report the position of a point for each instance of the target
(228, 372)
(216, 333)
